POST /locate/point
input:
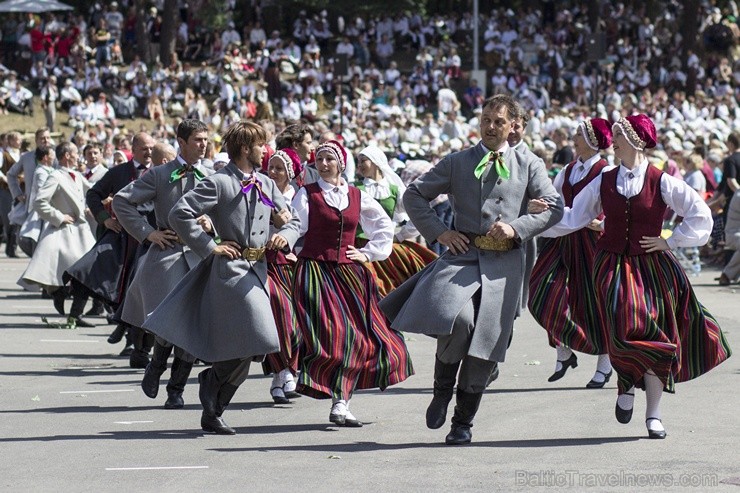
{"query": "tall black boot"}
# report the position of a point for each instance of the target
(176, 386)
(12, 244)
(215, 423)
(444, 385)
(212, 381)
(117, 334)
(75, 311)
(224, 397)
(58, 298)
(154, 370)
(462, 420)
(140, 355)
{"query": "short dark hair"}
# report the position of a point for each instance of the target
(734, 139)
(498, 100)
(63, 149)
(42, 152)
(242, 134)
(293, 134)
(188, 127)
(92, 145)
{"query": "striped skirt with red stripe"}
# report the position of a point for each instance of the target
(562, 297)
(405, 260)
(655, 321)
(347, 341)
(279, 285)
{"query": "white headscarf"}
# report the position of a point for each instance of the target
(378, 158)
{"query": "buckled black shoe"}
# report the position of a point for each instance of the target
(215, 424)
(593, 384)
(571, 362)
(623, 415)
(656, 434)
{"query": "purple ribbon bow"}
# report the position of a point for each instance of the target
(253, 183)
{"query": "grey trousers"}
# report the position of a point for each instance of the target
(453, 348)
(179, 352)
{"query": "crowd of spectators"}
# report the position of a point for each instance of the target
(397, 81)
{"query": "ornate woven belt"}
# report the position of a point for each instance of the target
(483, 242)
(253, 254)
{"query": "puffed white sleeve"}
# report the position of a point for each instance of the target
(377, 226)
(300, 206)
(407, 231)
(697, 223)
(586, 206)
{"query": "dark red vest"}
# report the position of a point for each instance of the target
(628, 220)
(570, 191)
(330, 231)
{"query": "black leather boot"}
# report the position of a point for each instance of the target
(154, 370)
(78, 306)
(12, 244)
(117, 334)
(444, 385)
(176, 386)
(140, 355)
(215, 424)
(208, 392)
(462, 421)
(58, 298)
(224, 397)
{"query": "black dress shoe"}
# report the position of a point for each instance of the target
(83, 323)
(352, 423)
(174, 401)
(623, 415)
(459, 435)
(593, 384)
(659, 434)
(117, 334)
(570, 362)
(215, 424)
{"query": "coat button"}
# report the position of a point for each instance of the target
(260, 216)
(498, 218)
(499, 181)
(261, 233)
(485, 215)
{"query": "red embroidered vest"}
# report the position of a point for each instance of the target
(330, 231)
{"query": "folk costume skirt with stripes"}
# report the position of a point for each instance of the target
(405, 260)
(279, 286)
(347, 341)
(655, 321)
(562, 297)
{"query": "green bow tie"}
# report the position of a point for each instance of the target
(183, 170)
(498, 162)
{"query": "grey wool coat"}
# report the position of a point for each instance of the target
(429, 302)
(60, 245)
(158, 271)
(221, 310)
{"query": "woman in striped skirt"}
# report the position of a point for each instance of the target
(347, 341)
(561, 293)
(659, 333)
(385, 186)
(282, 167)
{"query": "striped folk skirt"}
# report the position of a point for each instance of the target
(562, 297)
(655, 321)
(405, 260)
(347, 341)
(279, 286)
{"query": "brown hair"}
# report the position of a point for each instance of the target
(498, 100)
(242, 134)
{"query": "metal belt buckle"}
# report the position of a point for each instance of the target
(488, 243)
(253, 254)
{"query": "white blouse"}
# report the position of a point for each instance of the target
(374, 221)
(694, 230)
(380, 190)
(580, 170)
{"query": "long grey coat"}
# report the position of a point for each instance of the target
(158, 271)
(60, 245)
(221, 310)
(429, 302)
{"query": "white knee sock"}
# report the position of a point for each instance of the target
(627, 400)
(603, 367)
(563, 353)
(276, 381)
(654, 391)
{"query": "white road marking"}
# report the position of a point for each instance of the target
(131, 422)
(153, 468)
(93, 391)
(65, 340)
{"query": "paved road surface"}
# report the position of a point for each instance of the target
(73, 418)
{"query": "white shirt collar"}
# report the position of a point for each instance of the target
(588, 163)
(369, 181)
(502, 149)
(638, 172)
(328, 187)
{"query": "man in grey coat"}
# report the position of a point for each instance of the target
(167, 260)
(220, 311)
(477, 285)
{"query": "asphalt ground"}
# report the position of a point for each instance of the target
(73, 418)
